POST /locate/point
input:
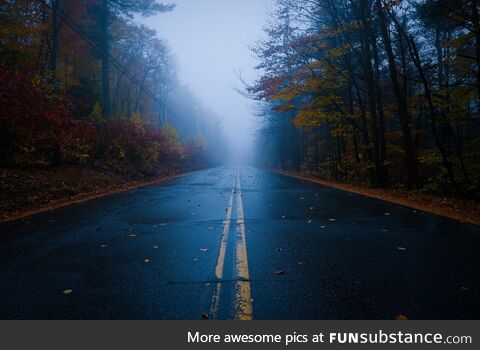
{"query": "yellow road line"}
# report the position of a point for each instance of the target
(243, 297)
(223, 249)
(243, 294)
(226, 230)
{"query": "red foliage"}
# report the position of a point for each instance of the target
(38, 127)
(33, 122)
(123, 140)
(78, 142)
(127, 145)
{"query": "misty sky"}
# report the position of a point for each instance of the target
(210, 39)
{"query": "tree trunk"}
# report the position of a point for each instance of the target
(140, 90)
(55, 41)
(411, 165)
(476, 26)
(433, 119)
(372, 91)
(382, 147)
(105, 47)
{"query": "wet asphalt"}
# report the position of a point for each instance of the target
(313, 253)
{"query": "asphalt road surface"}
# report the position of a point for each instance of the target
(238, 243)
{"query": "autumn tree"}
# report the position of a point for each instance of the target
(382, 92)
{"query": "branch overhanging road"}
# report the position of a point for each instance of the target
(238, 243)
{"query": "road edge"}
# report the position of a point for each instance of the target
(62, 203)
(445, 212)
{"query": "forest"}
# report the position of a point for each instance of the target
(379, 93)
(84, 86)
(82, 83)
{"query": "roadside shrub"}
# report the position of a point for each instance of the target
(78, 142)
(39, 127)
(32, 120)
(128, 145)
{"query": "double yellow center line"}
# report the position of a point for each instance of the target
(243, 294)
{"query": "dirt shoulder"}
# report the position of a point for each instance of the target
(26, 192)
(458, 209)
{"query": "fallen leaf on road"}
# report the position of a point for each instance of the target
(67, 291)
(280, 273)
(205, 316)
(401, 318)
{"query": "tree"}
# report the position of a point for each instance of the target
(107, 11)
(380, 92)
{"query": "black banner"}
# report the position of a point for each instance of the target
(251, 335)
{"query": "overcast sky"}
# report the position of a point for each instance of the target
(210, 39)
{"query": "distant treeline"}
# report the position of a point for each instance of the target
(374, 92)
(82, 83)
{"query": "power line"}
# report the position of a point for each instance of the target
(71, 23)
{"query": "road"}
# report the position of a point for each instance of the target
(238, 243)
